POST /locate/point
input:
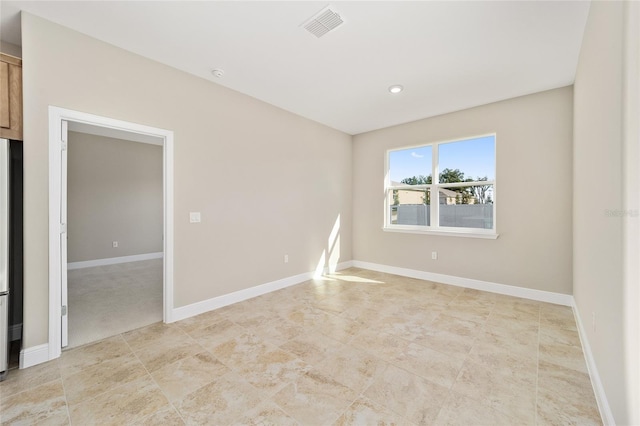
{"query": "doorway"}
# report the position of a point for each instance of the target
(114, 234)
(60, 122)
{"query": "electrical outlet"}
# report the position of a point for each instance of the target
(194, 217)
(286, 258)
(114, 244)
(434, 255)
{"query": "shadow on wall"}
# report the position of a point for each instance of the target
(333, 251)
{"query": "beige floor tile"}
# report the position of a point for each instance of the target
(254, 318)
(267, 414)
(432, 365)
(510, 321)
(277, 330)
(222, 402)
(200, 321)
(468, 313)
(21, 380)
(333, 305)
(102, 377)
(59, 419)
(448, 343)
(513, 395)
(382, 345)
(454, 324)
(557, 316)
(165, 417)
(407, 327)
(215, 334)
(514, 335)
(312, 347)
(243, 348)
(306, 316)
(357, 347)
(459, 410)
(45, 403)
(152, 334)
(271, 370)
(326, 287)
(520, 311)
(180, 378)
(365, 412)
(340, 329)
(352, 367)
(481, 300)
(441, 291)
(311, 290)
(525, 346)
(569, 356)
(78, 359)
(565, 396)
(125, 404)
(552, 335)
(407, 394)
(517, 364)
(366, 313)
(315, 399)
(167, 351)
(421, 309)
(233, 310)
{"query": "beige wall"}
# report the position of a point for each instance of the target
(114, 194)
(267, 182)
(600, 210)
(533, 149)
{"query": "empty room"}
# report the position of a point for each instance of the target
(349, 213)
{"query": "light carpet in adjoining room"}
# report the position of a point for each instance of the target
(108, 300)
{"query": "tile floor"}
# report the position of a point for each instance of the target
(112, 299)
(358, 347)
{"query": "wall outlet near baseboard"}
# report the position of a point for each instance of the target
(286, 258)
(114, 244)
(434, 255)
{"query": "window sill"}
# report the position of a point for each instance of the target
(464, 234)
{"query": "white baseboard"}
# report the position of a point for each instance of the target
(238, 296)
(15, 332)
(598, 388)
(34, 355)
(509, 290)
(114, 260)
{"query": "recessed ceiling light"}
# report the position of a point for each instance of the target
(396, 88)
(217, 72)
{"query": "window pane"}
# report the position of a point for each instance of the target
(409, 207)
(466, 207)
(410, 166)
(472, 159)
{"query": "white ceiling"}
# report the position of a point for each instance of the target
(448, 55)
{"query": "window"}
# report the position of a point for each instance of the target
(460, 200)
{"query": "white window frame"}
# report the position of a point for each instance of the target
(434, 228)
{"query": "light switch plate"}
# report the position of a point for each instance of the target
(194, 217)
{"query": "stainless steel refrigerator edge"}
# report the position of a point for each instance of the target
(4, 255)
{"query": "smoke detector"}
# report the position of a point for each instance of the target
(324, 21)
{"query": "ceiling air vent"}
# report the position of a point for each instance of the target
(325, 21)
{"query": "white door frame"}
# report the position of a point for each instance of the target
(56, 117)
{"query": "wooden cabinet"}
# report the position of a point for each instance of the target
(10, 97)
